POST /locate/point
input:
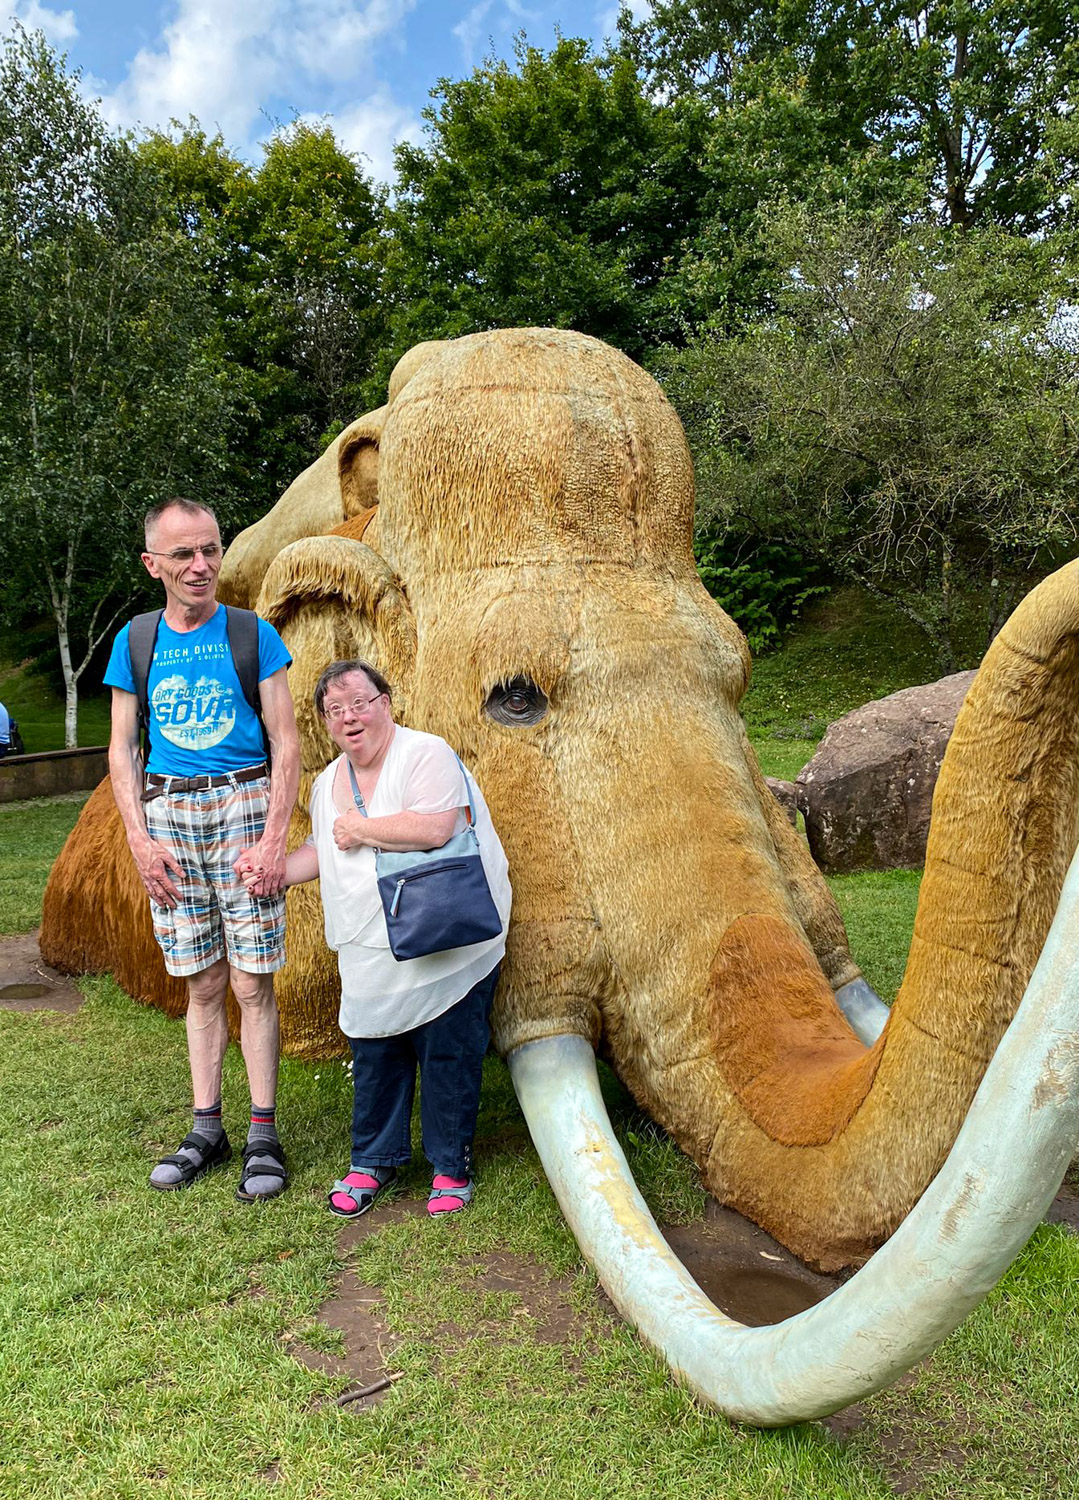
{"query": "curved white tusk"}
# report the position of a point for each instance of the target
(865, 1011)
(975, 1216)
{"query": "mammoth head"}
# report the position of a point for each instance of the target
(527, 582)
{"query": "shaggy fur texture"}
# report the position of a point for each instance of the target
(535, 503)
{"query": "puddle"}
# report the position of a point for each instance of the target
(27, 983)
(759, 1297)
(745, 1272)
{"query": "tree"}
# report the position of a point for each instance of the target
(909, 416)
(293, 253)
(956, 96)
(110, 395)
(551, 191)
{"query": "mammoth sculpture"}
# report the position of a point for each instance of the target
(510, 539)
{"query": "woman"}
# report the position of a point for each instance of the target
(393, 788)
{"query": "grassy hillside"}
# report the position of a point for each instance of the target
(29, 698)
(847, 650)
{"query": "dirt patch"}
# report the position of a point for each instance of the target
(354, 1312)
(28, 983)
(385, 1212)
(1064, 1209)
(542, 1298)
(912, 1448)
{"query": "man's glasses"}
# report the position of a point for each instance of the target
(210, 552)
(335, 711)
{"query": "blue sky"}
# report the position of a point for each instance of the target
(248, 66)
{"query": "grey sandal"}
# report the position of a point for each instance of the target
(363, 1198)
(464, 1193)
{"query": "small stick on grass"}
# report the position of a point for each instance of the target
(368, 1390)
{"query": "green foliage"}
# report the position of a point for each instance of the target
(111, 397)
(762, 586)
(909, 416)
(847, 649)
(551, 192)
(950, 104)
(292, 254)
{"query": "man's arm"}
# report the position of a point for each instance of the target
(154, 863)
(267, 856)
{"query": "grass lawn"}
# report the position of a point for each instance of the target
(146, 1339)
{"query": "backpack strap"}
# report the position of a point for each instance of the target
(141, 635)
(243, 633)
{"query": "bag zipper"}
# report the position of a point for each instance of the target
(403, 880)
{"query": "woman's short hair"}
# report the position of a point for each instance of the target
(338, 669)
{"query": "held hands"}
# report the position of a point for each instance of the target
(156, 866)
(262, 869)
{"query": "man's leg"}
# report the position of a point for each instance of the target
(207, 1031)
(207, 1038)
(259, 1035)
(260, 1045)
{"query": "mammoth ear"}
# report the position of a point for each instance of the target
(357, 463)
(329, 491)
(332, 599)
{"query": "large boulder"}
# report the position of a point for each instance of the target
(866, 794)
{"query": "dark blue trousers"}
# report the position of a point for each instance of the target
(449, 1052)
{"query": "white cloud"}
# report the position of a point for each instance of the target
(223, 60)
(218, 60)
(468, 28)
(370, 128)
(333, 38)
(59, 26)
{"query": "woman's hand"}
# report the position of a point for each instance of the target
(349, 831)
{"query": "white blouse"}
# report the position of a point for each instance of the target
(381, 995)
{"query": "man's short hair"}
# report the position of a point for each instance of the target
(189, 508)
(338, 669)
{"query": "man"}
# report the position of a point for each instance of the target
(207, 812)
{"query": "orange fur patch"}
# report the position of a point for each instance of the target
(355, 526)
(780, 1040)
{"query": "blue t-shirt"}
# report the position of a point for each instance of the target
(200, 721)
(5, 726)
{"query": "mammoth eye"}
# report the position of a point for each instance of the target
(518, 701)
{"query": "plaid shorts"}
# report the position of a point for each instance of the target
(215, 917)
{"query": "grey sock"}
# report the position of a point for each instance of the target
(207, 1123)
(263, 1128)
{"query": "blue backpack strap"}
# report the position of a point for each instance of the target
(141, 635)
(243, 633)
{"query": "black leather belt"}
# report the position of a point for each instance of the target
(159, 786)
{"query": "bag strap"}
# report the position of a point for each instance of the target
(243, 632)
(358, 799)
(141, 635)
